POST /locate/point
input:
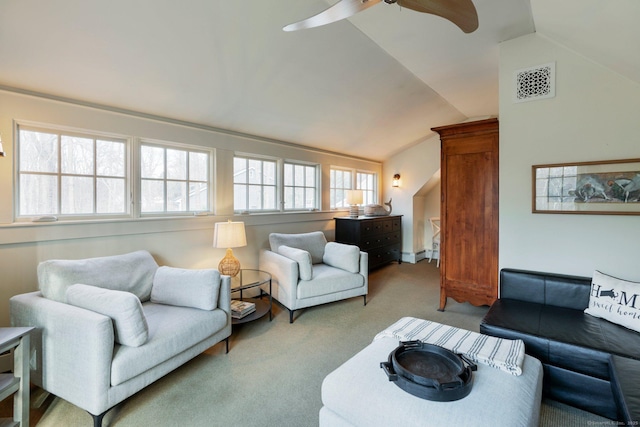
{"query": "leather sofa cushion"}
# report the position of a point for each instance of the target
(562, 336)
(559, 290)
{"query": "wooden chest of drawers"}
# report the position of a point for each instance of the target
(380, 237)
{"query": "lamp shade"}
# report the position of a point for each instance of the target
(354, 197)
(229, 234)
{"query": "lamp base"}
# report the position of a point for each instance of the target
(229, 265)
(353, 211)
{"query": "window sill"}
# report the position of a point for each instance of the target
(29, 232)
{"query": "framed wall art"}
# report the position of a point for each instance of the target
(603, 187)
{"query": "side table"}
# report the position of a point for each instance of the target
(247, 279)
(16, 339)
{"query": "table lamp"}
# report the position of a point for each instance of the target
(354, 198)
(229, 235)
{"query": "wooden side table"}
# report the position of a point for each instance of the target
(16, 339)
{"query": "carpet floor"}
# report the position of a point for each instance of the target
(274, 370)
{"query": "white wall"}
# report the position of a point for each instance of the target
(179, 242)
(594, 116)
(416, 165)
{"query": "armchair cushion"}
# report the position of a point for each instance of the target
(186, 288)
(302, 257)
(342, 256)
(124, 309)
(313, 243)
(132, 272)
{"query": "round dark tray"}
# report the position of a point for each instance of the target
(429, 371)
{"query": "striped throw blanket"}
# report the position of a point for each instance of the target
(504, 354)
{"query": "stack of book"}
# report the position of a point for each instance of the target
(240, 309)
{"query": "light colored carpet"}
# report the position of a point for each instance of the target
(274, 370)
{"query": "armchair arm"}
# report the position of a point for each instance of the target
(73, 349)
(224, 296)
(284, 274)
(364, 265)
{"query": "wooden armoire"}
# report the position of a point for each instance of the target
(469, 212)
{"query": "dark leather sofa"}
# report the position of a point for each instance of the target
(588, 362)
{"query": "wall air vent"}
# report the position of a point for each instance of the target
(535, 83)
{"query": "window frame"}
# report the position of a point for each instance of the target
(370, 196)
(188, 148)
(60, 132)
(316, 188)
(276, 185)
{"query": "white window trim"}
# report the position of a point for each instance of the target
(69, 131)
(137, 172)
(318, 188)
(278, 183)
(354, 181)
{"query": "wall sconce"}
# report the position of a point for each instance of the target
(354, 198)
(229, 235)
(396, 180)
(1, 149)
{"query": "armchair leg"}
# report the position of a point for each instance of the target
(97, 419)
(226, 341)
(291, 316)
(365, 299)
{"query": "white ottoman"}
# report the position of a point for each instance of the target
(359, 393)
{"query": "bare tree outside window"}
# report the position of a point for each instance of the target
(66, 174)
(173, 180)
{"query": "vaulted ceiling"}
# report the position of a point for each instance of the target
(368, 86)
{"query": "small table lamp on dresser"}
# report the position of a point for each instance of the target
(354, 198)
(229, 235)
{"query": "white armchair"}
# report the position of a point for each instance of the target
(307, 270)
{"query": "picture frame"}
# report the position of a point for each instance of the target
(610, 187)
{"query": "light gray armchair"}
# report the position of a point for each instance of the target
(307, 270)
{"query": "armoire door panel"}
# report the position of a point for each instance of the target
(469, 212)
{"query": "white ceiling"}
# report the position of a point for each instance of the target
(368, 86)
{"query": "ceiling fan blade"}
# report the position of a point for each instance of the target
(460, 12)
(341, 10)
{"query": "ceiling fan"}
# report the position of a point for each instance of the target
(460, 12)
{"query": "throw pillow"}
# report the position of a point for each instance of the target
(312, 242)
(186, 288)
(132, 272)
(615, 300)
(124, 309)
(303, 258)
(342, 256)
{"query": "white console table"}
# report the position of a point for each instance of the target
(17, 383)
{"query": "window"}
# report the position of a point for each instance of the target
(173, 179)
(346, 179)
(71, 174)
(341, 180)
(254, 184)
(366, 182)
(300, 186)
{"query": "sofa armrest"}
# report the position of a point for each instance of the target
(72, 349)
(284, 273)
